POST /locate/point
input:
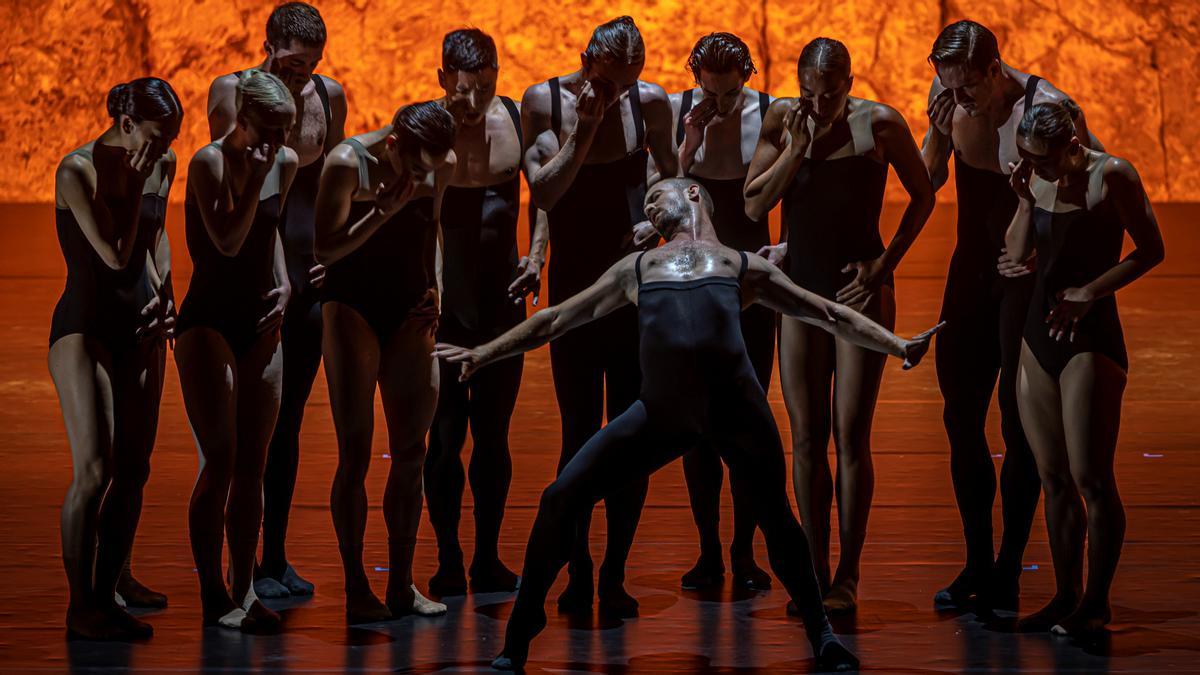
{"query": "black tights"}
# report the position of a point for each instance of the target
(702, 468)
(301, 338)
(486, 402)
(982, 338)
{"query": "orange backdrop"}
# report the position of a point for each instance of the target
(1134, 66)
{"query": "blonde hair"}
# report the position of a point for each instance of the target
(260, 94)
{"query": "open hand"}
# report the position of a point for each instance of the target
(774, 254)
(1073, 304)
(528, 281)
(868, 276)
(941, 112)
(469, 359)
(1009, 266)
(274, 318)
(914, 349)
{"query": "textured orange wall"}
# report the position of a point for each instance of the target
(1132, 65)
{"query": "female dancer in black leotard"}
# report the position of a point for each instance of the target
(377, 234)
(826, 155)
(228, 351)
(107, 340)
(1076, 205)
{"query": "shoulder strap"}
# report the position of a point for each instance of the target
(515, 115)
(1031, 90)
(745, 264)
(862, 131)
(637, 266)
(635, 107)
(323, 94)
(555, 106)
(764, 103)
(685, 104)
(360, 151)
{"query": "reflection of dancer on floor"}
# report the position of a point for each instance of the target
(294, 46)
(228, 352)
(975, 103)
(377, 234)
(698, 381)
(826, 156)
(108, 341)
(484, 286)
(717, 124)
(1076, 205)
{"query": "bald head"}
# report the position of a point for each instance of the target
(670, 202)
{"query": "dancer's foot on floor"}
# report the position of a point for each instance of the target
(412, 602)
(447, 581)
(266, 587)
(296, 584)
(260, 620)
(961, 591)
(616, 602)
(137, 629)
(136, 594)
(747, 574)
(1087, 618)
(831, 655)
(708, 571)
(220, 610)
(492, 576)
(577, 597)
(516, 644)
(365, 607)
(1059, 608)
(90, 623)
(1001, 593)
(842, 598)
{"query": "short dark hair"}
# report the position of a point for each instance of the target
(468, 50)
(618, 41)
(721, 53)
(144, 99)
(826, 55)
(965, 43)
(1052, 123)
(296, 22)
(431, 125)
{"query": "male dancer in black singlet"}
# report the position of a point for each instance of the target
(294, 46)
(717, 124)
(975, 103)
(697, 381)
(587, 135)
(484, 287)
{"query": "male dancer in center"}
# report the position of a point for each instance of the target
(587, 136)
(697, 382)
(294, 46)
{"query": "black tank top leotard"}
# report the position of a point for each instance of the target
(734, 228)
(1074, 248)
(98, 301)
(479, 251)
(590, 223)
(390, 275)
(832, 210)
(226, 292)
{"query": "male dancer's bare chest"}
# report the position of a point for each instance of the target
(307, 137)
(983, 144)
(488, 153)
(728, 146)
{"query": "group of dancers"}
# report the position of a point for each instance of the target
(392, 256)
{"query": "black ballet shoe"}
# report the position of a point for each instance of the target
(577, 597)
(272, 589)
(261, 621)
(960, 593)
(493, 577)
(835, 658)
(135, 627)
(704, 574)
(506, 662)
(366, 609)
(296, 584)
(617, 603)
(1002, 593)
(447, 582)
(747, 574)
(517, 638)
(95, 624)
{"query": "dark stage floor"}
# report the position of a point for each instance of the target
(914, 545)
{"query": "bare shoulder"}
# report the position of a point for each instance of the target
(208, 157)
(1120, 173)
(885, 118)
(222, 88)
(333, 87)
(676, 100)
(1048, 93)
(287, 158)
(342, 156)
(777, 110)
(651, 93)
(74, 165)
(536, 99)
(935, 88)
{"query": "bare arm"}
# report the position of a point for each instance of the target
(77, 187)
(222, 107)
(227, 223)
(1133, 207)
(551, 169)
(337, 110)
(1018, 238)
(901, 152)
(336, 237)
(938, 143)
(610, 292)
(777, 157)
(656, 108)
(162, 246)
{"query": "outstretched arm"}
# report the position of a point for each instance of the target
(614, 289)
(769, 286)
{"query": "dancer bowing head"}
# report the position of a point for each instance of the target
(698, 381)
(377, 220)
(1076, 206)
(826, 155)
(228, 351)
(108, 344)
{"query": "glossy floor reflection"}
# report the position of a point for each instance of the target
(914, 545)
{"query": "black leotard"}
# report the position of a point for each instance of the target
(832, 211)
(98, 301)
(589, 226)
(698, 382)
(226, 292)
(389, 276)
(985, 316)
(1075, 248)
